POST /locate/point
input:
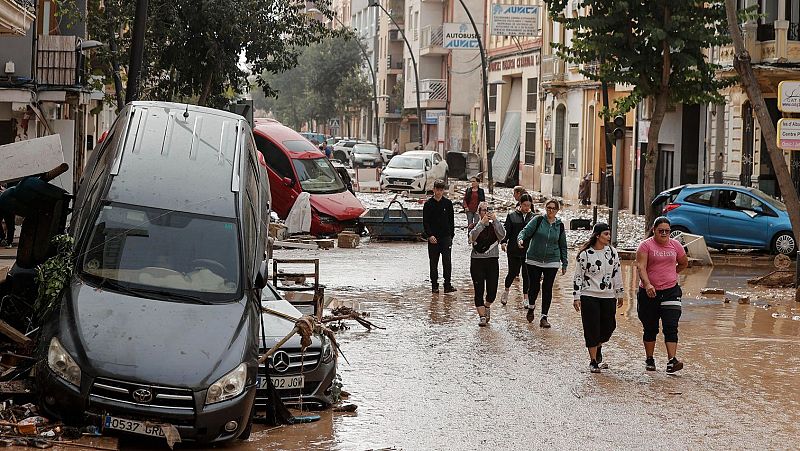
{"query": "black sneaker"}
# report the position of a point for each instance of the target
(650, 364)
(435, 289)
(544, 323)
(449, 289)
(594, 367)
(599, 357)
(674, 365)
(530, 315)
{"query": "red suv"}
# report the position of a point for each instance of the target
(295, 165)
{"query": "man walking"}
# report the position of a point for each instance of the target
(439, 222)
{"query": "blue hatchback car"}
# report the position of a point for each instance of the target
(729, 216)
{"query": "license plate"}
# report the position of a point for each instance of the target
(402, 182)
(133, 426)
(283, 382)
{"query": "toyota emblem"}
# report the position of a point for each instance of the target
(142, 395)
(280, 361)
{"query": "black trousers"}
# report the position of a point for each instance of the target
(442, 248)
(485, 274)
(665, 307)
(515, 264)
(535, 275)
(599, 322)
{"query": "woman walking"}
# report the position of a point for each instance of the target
(597, 287)
(546, 252)
(659, 259)
(484, 267)
(473, 196)
(515, 222)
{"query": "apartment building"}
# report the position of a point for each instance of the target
(390, 74)
(736, 151)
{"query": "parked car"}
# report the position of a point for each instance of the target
(343, 149)
(159, 323)
(315, 138)
(299, 377)
(413, 171)
(366, 155)
(729, 216)
(386, 155)
(294, 165)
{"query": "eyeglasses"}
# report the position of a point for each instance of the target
(663, 231)
(552, 208)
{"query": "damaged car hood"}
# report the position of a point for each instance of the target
(130, 338)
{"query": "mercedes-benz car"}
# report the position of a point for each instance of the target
(300, 377)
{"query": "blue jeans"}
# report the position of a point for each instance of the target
(472, 217)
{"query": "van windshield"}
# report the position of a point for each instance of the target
(164, 254)
(317, 176)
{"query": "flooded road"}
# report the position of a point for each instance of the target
(434, 380)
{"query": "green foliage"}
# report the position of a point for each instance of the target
(193, 47)
(53, 276)
(328, 82)
(627, 40)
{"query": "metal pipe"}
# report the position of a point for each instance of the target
(617, 190)
(484, 75)
(413, 63)
(137, 51)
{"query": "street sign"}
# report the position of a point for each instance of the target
(515, 20)
(432, 116)
(789, 134)
(459, 36)
(333, 123)
(789, 96)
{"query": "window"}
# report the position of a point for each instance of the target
(275, 158)
(533, 96)
(490, 135)
(735, 200)
(530, 143)
(492, 97)
(701, 198)
(317, 176)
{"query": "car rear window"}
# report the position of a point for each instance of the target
(701, 198)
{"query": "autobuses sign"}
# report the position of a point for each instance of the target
(515, 20)
(459, 36)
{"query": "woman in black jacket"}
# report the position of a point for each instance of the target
(515, 222)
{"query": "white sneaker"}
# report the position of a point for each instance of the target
(504, 297)
(482, 321)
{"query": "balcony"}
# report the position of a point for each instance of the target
(57, 61)
(390, 109)
(395, 35)
(433, 93)
(15, 17)
(552, 70)
(432, 41)
(394, 67)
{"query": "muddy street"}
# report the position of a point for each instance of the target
(435, 380)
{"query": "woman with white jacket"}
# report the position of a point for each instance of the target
(597, 291)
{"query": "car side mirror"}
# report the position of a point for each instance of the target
(288, 182)
(427, 164)
(261, 277)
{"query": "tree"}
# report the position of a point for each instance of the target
(194, 48)
(353, 93)
(656, 46)
(741, 62)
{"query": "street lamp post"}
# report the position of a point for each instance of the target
(484, 75)
(413, 62)
(371, 73)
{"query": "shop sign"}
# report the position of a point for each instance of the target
(459, 36)
(789, 134)
(515, 20)
(789, 96)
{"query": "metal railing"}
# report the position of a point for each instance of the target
(432, 36)
(552, 68)
(432, 90)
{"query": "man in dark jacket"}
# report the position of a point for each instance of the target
(515, 222)
(439, 222)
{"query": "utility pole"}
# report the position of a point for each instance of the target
(485, 98)
(619, 135)
(137, 51)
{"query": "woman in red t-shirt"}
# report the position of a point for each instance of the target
(472, 197)
(659, 259)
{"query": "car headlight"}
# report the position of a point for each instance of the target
(419, 176)
(228, 386)
(61, 363)
(327, 351)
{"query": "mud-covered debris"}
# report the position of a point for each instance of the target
(775, 279)
(740, 298)
(346, 408)
(712, 291)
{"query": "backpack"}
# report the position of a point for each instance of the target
(485, 240)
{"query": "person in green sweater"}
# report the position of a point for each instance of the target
(546, 252)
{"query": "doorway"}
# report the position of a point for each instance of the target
(745, 176)
(558, 157)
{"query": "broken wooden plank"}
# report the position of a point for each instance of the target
(324, 243)
(708, 291)
(294, 245)
(13, 333)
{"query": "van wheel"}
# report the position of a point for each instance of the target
(341, 156)
(784, 243)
